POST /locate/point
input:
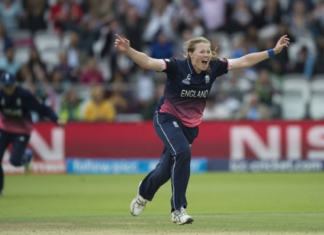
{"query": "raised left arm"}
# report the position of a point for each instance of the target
(254, 58)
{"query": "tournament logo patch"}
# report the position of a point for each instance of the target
(187, 79)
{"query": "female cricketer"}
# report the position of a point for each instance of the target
(179, 113)
(15, 121)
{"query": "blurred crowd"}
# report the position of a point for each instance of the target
(63, 52)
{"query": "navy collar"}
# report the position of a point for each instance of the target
(191, 68)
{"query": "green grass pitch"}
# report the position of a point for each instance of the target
(220, 203)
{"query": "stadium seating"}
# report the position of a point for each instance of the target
(316, 107)
(50, 57)
(22, 54)
(294, 48)
(44, 41)
(295, 97)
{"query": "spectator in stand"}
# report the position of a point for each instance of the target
(44, 89)
(8, 63)
(211, 20)
(100, 11)
(109, 33)
(70, 74)
(270, 14)
(35, 18)
(5, 40)
(264, 88)
(133, 26)
(147, 94)
(88, 33)
(57, 81)
(252, 36)
(35, 63)
(318, 18)
(241, 17)
(122, 65)
(231, 86)
(319, 68)
(66, 15)
(309, 5)
(253, 110)
(25, 75)
(225, 105)
(162, 15)
(187, 13)
(267, 64)
(305, 62)
(141, 6)
(121, 7)
(11, 12)
(267, 86)
(118, 95)
(99, 109)
(243, 47)
(161, 47)
(185, 36)
(76, 56)
(299, 20)
(282, 61)
(210, 112)
(91, 74)
(70, 109)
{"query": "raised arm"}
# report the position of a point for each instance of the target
(254, 58)
(143, 60)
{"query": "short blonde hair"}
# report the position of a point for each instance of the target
(190, 46)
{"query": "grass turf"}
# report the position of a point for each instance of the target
(222, 203)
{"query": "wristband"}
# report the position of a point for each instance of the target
(271, 52)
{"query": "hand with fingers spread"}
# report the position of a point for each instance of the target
(283, 42)
(121, 44)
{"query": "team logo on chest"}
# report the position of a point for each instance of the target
(207, 79)
(187, 79)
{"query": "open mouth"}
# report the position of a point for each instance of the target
(205, 62)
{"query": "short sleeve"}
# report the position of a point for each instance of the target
(170, 67)
(220, 67)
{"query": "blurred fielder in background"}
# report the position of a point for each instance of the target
(15, 121)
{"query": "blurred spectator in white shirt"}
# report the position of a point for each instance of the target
(213, 13)
(76, 56)
(5, 40)
(141, 5)
(11, 12)
(8, 62)
(161, 19)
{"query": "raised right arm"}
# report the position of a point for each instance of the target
(140, 58)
